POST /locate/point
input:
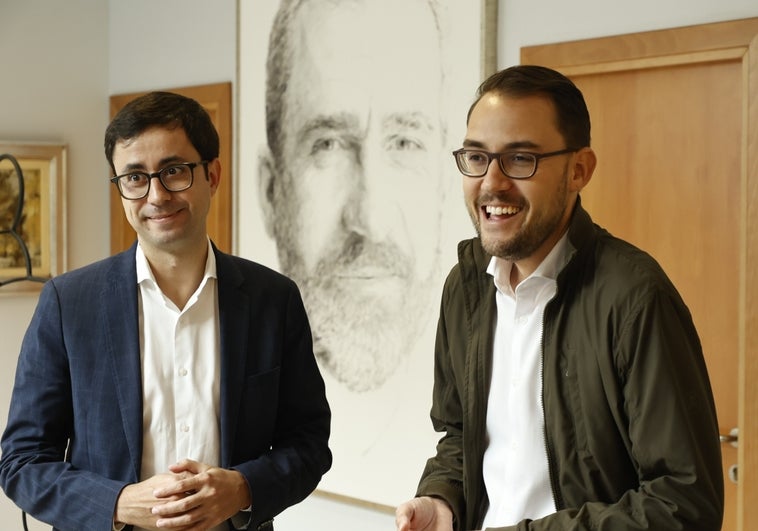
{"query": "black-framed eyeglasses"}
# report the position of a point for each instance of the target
(513, 164)
(174, 178)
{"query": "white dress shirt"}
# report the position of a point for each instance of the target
(515, 463)
(180, 350)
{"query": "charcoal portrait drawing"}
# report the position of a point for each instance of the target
(348, 188)
(351, 173)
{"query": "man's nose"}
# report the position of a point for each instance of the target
(157, 192)
(495, 179)
(371, 206)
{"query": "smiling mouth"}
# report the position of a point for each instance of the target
(162, 216)
(491, 211)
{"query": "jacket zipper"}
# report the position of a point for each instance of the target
(557, 498)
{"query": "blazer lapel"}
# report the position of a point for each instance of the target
(121, 332)
(234, 317)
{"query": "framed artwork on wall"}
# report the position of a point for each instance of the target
(32, 213)
(348, 114)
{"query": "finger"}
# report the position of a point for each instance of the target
(183, 485)
(188, 465)
(192, 520)
(176, 507)
(182, 521)
(179, 490)
(402, 518)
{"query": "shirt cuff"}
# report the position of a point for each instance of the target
(242, 519)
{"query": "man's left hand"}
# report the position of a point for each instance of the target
(211, 496)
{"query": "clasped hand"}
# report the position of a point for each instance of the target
(424, 514)
(192, 496)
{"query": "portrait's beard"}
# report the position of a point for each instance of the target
(364, 304)
(532, 234)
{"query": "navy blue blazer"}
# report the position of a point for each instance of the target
(74, 433)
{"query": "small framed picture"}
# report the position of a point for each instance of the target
(32, 213)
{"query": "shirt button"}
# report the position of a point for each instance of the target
(182, 372)
(184, 428)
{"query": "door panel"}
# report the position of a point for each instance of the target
(675, 193)
(671, 125)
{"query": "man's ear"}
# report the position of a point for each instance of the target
(584, 166)
(266, 192)
(214, 174)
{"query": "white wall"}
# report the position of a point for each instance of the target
(61, 61)
(170, 43)
(54, 89)
(529, 22)
(54, 71)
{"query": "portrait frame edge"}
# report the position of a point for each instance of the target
(52, 158)
(489, 37)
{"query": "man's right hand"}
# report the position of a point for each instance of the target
(136, 501)
(424, 514)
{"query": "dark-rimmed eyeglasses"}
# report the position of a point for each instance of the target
(513, 164)
(174, 178)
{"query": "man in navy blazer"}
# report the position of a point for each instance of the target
(170, 352)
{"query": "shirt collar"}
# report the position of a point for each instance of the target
(549, 268)
(144, 272)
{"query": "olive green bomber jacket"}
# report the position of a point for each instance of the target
(630, 423)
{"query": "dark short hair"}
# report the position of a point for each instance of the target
(530, 80)
(163, 109)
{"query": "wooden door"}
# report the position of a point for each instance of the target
(216, 99)
(675, 127)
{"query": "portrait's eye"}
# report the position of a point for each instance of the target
(404, 143)
(332, 151)
(326, 144)
(406, 152)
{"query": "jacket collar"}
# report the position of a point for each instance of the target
(582, 231)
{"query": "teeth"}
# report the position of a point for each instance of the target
(499, 211)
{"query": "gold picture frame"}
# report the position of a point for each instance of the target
(41, 223)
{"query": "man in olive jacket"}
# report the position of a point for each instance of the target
(570, 384)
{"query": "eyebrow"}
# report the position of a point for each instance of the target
(331, 122)
(416, 120)
(511, 146)
(165, 161)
